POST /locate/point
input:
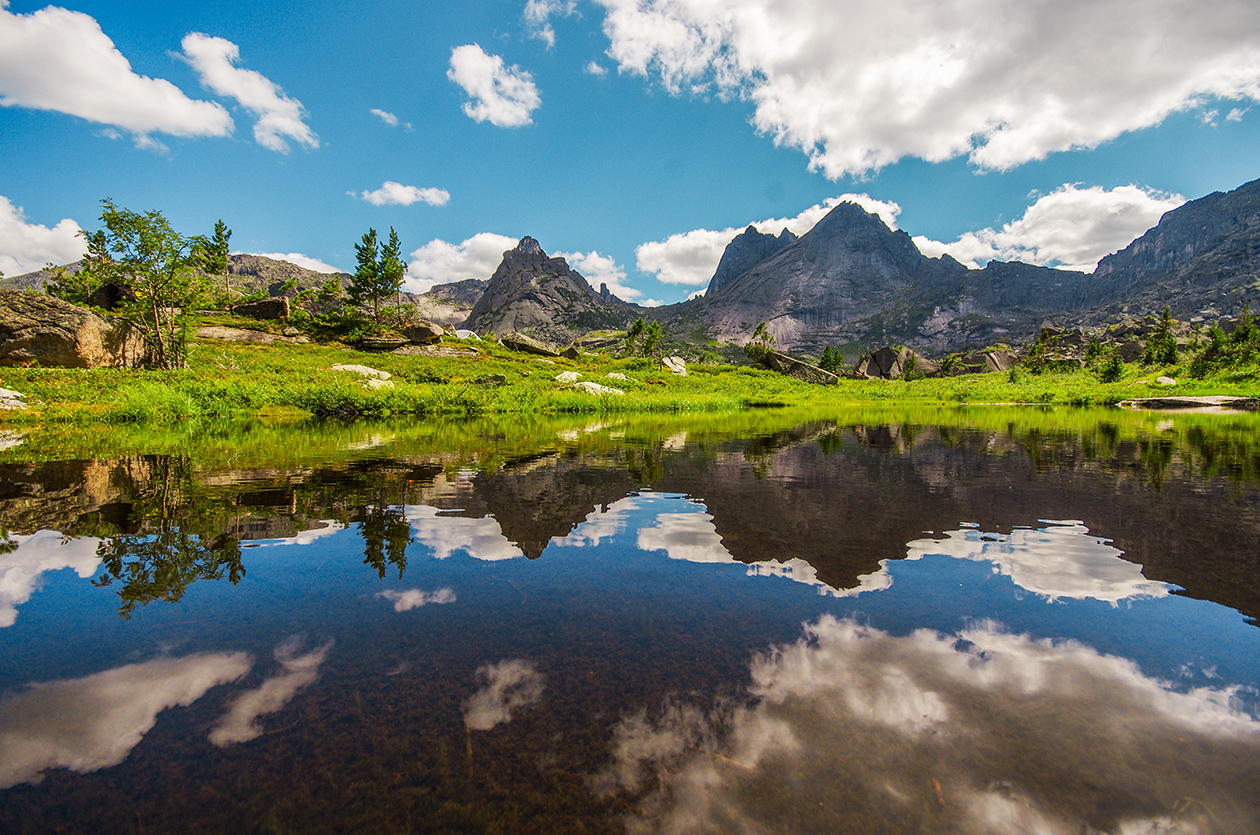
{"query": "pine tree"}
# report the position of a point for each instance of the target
(379, 273)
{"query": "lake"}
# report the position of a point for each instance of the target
(880, 621)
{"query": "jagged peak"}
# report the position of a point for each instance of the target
(529, 246)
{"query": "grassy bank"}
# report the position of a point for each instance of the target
(228, 380)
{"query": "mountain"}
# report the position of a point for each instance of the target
(852, 280)
(745, 251)
(532, 293)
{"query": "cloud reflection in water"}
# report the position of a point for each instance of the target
(239, 723)
(852, 728)
(21, 568)
(508, 686)
(89, 723)
(408, 599)
(481, 539)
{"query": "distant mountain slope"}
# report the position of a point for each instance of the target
(532, 293)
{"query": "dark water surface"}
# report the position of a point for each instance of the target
(982, 621)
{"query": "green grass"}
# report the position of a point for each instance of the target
(226, 381)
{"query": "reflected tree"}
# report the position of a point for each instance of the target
(162, 566)
(386, 534)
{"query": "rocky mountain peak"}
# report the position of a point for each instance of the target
(529, 246)
(746, 250)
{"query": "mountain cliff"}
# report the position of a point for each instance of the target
(535, 294)
(745, 251)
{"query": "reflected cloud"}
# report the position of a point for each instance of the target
(508, 686)
(90, 723)
(481, 539)
(21, 569)
(1059, 560)
(983, 732)
(330, 527)
(600, 524)
(405, 601)
(239, 724)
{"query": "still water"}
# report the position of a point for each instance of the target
(984, 621)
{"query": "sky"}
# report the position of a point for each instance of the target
(633, 137)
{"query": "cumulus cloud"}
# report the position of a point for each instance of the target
(595, 68)
(296, 258)
(397, 194)
(692, 257)
(385, 116)
(279, 116)
(25, 247)
(602, 269)
(60, 60)
(405, 601)
(538, 14)
(507, 687)
(89, 723)
(240, 723)
(447, 534)
(501, 95)
(1071, 227)
(22, 568)
(439, 262)
(864, 85)
(986, 729)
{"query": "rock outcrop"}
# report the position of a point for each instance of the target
(890, 363)
(423, 333)
(799, 369)
(271, 309)
(529, 345)
(745, 251)
(530, 292)
(41, 329)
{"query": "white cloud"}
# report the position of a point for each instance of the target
(439, 262)
(984, 728)
(306, 537)
(862, 85)
(25, 247)
(692, 257)
(296, 258)
(480, 539)
(595, 68)
(239, 723)
(405, 601)
(538, 15)
(1236, 114)
(89, 723)
(508, 687)
(397, 194)
(279, 116)
(56, 59)
(502, 95)
(385, 116)
(1072, 227)
(601, 269)
(600, 524)
(651, 303)
(22, 568)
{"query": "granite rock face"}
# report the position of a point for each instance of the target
(745, 251)
(890, 363)
(799, 369)
(529, 345)
(271, 309)
(530, 292)
(42, 329)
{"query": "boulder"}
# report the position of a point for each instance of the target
(269, 309)
(423, 332)
(528, 345)
(675, 365)
(1131, 351)
(490, 380)
(892, 363)
(35, 328)
(571, 353)
(383, 343)
(616, 375)
(595, 388)
(245, 335)
(363, 371)
(1165, 381)
(567, 377)
(10, 399)
(799, 369)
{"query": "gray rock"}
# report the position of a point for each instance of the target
(10, 399)
(266, 309)
(363, 371)
(799, 369)
(675, 365)
(890, 363)
(529, 345)
(111, 296)
(35, 328)
(1165, 381)
(383, 343)
(567, 377)
(423, 333)
(571, 353)
(1131, 351)
(490, 380)
(246, 335)
(595, 388)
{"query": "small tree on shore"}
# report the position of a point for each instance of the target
(211, 253)
(379, 273)
(760, 344)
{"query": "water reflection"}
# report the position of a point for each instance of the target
(601, 629)
(854, 729)
(89, 723)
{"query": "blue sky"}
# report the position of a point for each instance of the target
(633, 136)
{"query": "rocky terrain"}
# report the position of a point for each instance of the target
(532, 293)
(745, 251)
